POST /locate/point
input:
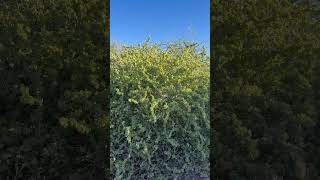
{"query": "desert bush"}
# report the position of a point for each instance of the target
(159, 111)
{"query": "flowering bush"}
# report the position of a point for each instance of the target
(159, 111)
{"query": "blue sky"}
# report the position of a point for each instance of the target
(132, 21)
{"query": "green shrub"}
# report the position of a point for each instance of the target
(159, 111)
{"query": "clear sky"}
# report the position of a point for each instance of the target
(132, 21)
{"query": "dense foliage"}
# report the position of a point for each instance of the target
(159, 112)
(53, 93)
(265, 90)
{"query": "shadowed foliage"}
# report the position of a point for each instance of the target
(265, 90)
(53, 93)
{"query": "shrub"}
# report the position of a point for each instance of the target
(159, 111)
